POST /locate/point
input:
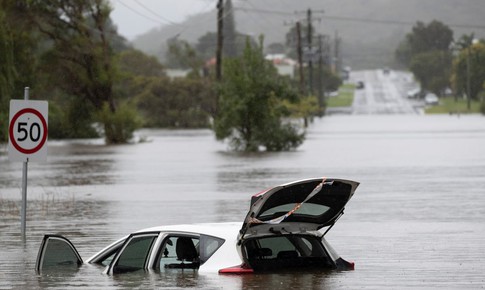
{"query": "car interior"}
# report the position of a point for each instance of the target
(286, 252)
(180, 253)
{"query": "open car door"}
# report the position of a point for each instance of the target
(57, 252)
(134, 254)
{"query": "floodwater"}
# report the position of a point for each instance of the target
(416, 221)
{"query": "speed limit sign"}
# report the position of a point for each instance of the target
(27, 131)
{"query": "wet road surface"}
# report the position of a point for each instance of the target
(384, 93)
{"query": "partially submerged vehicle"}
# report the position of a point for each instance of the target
(284, 229)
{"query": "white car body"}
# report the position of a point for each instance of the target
(284, 229)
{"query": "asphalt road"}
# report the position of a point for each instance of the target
(384, 93)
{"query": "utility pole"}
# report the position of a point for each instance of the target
(300, 58)
(310, 53)
(337, 54)
(468, 91)
(310, 63)
(220, 38)
(320, 74)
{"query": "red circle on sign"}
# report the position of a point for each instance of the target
(12, 123)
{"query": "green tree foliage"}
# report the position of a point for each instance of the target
(80, 51)
(17, 58)
(432, 37)
(182, 55)
(71, 117)
(250, 106)
(7, 74)
(291, 40)
(276, 48)
(206, 45)
(136, 63)
(120, 124)
(432, 69)
(7, 69)
(469, 65)
(426, 52)
(178, 103)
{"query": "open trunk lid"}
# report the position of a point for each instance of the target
(307, 205)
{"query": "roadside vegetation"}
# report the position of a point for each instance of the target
(440, 63)
(251, 105)
(68, 53)
(451, 105)
(344, 97)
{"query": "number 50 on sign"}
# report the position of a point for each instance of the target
(27, 131)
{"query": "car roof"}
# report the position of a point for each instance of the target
(223, 230)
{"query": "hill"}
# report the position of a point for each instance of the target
(370, 29)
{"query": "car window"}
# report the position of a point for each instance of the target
(179, 252)
(307, 208)
(276, 245)
(208, 246)
(104, 258)
(135, 254)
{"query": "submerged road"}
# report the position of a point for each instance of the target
(383, 93)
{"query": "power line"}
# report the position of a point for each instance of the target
(156, 14)
(356, 19)
(140, 14)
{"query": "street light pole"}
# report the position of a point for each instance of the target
(468, 93)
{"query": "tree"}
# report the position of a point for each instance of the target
(431, 37)
(426, 52)
(17, 58)
(432, 69)
(178, 103)
(206, 45)
(276, 48)
(251, 113)
(469, 70)
(137, 63)
(7, 73)
(181, 54)
(291, 40)
(80, 34)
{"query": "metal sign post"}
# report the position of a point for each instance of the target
(23, 213)
(27, 133)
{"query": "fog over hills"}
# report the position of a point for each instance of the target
(370, 29)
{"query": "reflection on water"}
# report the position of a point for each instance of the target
(417, 219)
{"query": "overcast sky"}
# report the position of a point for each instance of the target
(135, 17)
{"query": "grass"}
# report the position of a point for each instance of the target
(344, 98)
(448, 105)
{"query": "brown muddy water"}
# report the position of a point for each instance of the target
(416, 221)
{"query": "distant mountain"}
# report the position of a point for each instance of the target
(370, 29)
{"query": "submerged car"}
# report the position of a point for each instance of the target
(284, 229)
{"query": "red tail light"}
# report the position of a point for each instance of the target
(241, 269)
